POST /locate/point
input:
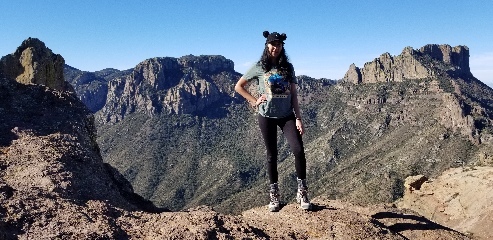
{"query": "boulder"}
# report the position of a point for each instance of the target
(414, 182)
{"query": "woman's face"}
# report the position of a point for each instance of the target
(275, 48)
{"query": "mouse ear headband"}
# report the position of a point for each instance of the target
(272, 37)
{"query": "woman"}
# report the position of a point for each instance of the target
(277, 106)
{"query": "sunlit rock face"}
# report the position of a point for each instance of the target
(34, 63)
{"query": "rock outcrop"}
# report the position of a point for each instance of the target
(52, 176)
(412, 64)
(414, 182)
(456, 57)
(185, 85)
(460, 199)
(34, 63)
(447, 70)
(353, 74)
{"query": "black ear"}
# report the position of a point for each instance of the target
(283, 36)
(266, 34)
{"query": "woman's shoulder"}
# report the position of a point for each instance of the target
(254, 71)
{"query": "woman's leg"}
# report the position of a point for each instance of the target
(293, 136)
(296, 143)
(268, 128)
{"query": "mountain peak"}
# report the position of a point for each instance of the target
(457, 56)
(31, 43)
(429, 61)
(34, 63)
(209, 63)
(185, 85)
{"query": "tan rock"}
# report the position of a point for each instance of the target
(353, 75)
(34, 63)
(414, 182)
(460, 199)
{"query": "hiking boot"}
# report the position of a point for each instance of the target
(274, 198)
(302, 195)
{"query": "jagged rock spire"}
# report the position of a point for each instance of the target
(412, 64)
(34, 63)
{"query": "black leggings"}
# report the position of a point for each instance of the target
(268, 127)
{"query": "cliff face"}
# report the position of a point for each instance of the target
(185, 85)
(92, 87)
(50, 138)
(456, 57)
(412, 64)
(447, 68)
(34, 63)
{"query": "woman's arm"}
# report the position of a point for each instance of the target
(296, 107)
(240, 88)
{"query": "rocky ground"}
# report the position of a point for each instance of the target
(460, 199)
(332, 219)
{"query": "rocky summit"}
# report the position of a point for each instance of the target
(34, 63)
(412, 64)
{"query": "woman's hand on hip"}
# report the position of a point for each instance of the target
(260, 100)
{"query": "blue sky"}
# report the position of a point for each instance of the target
(324, 37)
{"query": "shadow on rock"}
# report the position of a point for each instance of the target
(406, 222)
(317, 207)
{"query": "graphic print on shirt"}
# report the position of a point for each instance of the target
(276, 86)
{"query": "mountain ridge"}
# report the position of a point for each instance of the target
(397, 128)
(413, 64)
